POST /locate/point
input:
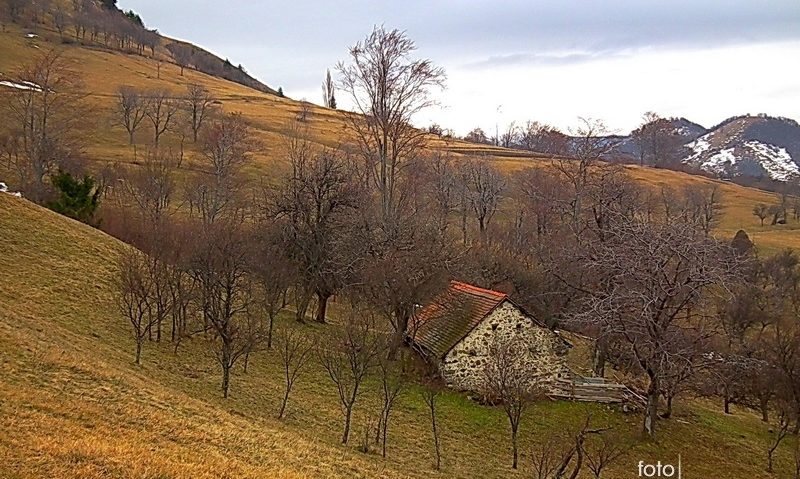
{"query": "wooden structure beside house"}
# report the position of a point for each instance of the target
(455, 330)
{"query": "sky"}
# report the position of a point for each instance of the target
(553, 61)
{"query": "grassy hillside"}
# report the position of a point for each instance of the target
(75, 405)
(104, 71)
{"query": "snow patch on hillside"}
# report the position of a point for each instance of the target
(775, 160)
(26, 85)
(700, 145)
(719, 161)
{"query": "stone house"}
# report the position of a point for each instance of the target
(455, 330)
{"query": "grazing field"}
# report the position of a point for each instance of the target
(74, 404)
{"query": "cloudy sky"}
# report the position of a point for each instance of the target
(517, 60)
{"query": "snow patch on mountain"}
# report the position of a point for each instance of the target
(775, 160)
(720, 161)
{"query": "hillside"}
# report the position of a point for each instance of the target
(749, 146)
(77, 406)
(103, 72)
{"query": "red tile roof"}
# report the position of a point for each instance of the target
(450, 317)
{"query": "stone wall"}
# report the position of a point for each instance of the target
(462, 368)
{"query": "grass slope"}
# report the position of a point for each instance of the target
(75, 405)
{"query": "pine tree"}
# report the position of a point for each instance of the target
(77, 199)
(280, 91)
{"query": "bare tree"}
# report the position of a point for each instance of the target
(219, 265)
(273, 273)
(657, 280)
(393, 384)
(657, 141)
(316, 202)
(151, 189)
(508, 378)
(61, 20)
(226, 147)
(761, 211)
(182, 53)
(295, 350)
(431, 392)
(347, 354)
(130, 110)
(544, 139)
(160, 110)
(548, 457)
(591, 144)
(43, 120)
(387, 88)
(134, 292)
(484, 185)
(704, 205)
(602, 453)
(199, 104)
(329, 92)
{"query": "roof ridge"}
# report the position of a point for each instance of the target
(470, 288)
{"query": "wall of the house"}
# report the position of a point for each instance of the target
(462, 368)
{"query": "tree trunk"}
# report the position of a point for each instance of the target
(284, 402)
(727, 405)
(514, 447)
(348, 414)
(269, 330)
(226, 378)
(322, 307)
(246, 361)
(668, 413)
(139, 351)
(435, 436)
(764, 406)
(651, 410)
(398, 337)
(599, 357)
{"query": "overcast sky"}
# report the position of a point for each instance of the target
(546, 60)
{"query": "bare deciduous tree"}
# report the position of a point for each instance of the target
(199, 104)
(161, 110)
(601, 453)
(485, 186)
(135, 295)
(761, 211)
(347, 354)
(316, 202)
(657, 281)
(387, 88)
(431, 392)
(657, 141)
(393, 383)
(328, 92)
(295, 350)
(131, 107)
(220, 267)
(43, 120)
(509, 378)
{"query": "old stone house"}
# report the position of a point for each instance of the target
(457, 327)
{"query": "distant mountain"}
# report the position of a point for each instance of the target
(682, 130)
(744, 147)
(753, 146)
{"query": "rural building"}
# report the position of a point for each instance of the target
(457, 327)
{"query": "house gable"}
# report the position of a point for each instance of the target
(462, 366)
